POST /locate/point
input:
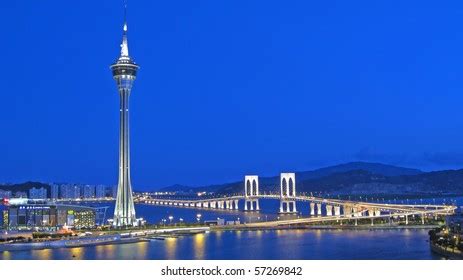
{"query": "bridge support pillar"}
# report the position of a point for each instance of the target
(377, 212)
(422, 218)
(329, 210)
(288, 193)
(406, 219)
(288, 206)
(347, 211)
(252, 202)
(251, 192)
(337, 210)
(312, 209)
(319, 209)
(371, 212)
(236, 204)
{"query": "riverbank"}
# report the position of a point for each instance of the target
(68, 243)
(446, 252)
(326, 227)
(123, 237)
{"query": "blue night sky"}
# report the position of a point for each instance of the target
(229, 87)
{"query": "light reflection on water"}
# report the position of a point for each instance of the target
(171, 248)
(259, 244)
(199, 246)
(45, 254)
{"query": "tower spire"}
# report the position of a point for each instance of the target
(125, 44)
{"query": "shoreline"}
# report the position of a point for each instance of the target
(327, 227)
(445, 253)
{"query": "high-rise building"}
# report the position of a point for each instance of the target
(124, 71)
(88, 191)
(70, 191)
(54, 191)
(100, 191)
(5, 194)
(20, 194)
(38, 193)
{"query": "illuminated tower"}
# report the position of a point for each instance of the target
(124, 72)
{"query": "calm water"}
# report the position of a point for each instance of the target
(269, 244)
(278, 244)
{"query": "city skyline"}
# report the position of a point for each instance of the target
(184, 84)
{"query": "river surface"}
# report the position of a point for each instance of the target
(262, 244)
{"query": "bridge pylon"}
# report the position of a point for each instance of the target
(288, 193)
(251, 193)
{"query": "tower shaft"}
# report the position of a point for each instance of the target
(124, 213)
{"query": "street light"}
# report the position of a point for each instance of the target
(198, 217)
(170, 219)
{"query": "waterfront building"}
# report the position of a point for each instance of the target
(124, 71)
(88, 191)
(48, 216)
(38, 193)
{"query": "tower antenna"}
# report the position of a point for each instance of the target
(125, 16)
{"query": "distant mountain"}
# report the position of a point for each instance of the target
(178, 188)
(375, 168)
(272, 183)
(364, 182)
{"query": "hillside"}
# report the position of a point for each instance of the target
(323, 179)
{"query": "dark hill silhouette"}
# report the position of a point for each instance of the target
(320, 179)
